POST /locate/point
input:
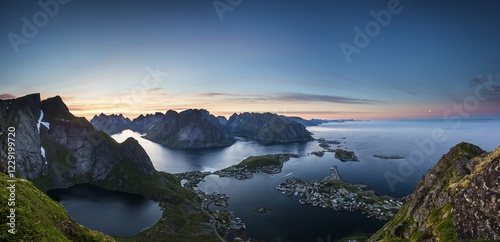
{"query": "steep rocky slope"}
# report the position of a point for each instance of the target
(267, 128)
(458, 199)
(192, 128)
(23, 114)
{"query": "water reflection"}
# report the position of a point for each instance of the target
(182, 160)
(113, 213)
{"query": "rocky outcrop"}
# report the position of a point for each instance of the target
(458, 199)
(111, 124)
(79, 153)
(23, 114)
(267, 128)
(192, 128)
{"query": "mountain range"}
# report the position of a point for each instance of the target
(197, 128)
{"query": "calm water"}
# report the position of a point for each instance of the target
(113, 213)
(290, 221)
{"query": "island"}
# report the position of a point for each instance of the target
(318, 153)
(326, 144)
(269, 164)
(345, 155)
(389, 157)
(261, 210)
(341, 154)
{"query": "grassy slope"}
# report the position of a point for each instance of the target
(180, 223)
(259, 161)
(39, 218)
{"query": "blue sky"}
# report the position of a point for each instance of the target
(276, 56)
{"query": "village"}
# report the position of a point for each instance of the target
(332, 193)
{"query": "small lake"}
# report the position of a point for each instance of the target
(111, 212)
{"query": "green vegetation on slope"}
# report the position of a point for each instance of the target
(429, 212)
(259, 161)
(39, 218)
(184, 222)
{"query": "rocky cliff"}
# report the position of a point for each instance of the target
(23, 114)
(192, 128)
(458, 199)
(267, 128)
(111, 124)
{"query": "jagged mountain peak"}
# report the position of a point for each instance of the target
(55, 109)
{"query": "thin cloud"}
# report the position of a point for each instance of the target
(490, 88)
(6, 96)
(301, 97)
(216, 94)
(406, 90)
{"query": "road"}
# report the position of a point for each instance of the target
(213, 222)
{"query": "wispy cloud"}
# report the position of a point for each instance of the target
(301, 97)
(487, 87)
(287, 97)
(7, 96)
(216, 94)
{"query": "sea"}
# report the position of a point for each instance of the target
(421, 143)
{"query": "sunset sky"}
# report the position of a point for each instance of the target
(285, 57)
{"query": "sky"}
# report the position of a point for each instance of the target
(315, 59)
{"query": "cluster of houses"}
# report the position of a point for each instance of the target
(338, 195)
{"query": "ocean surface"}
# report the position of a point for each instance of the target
(422, 143)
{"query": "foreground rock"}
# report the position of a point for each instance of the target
(458, 199)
